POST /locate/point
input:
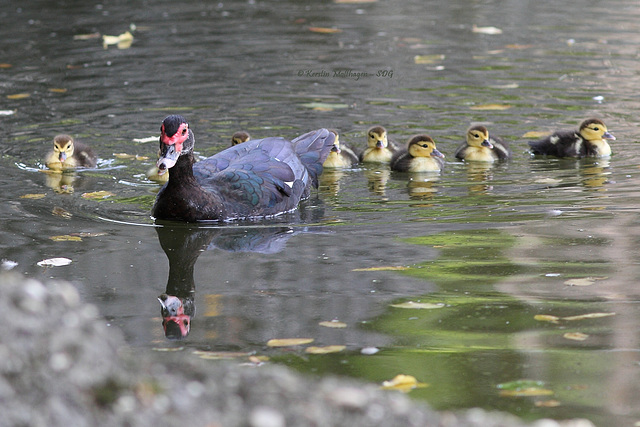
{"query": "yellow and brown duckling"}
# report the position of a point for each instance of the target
(480, 147)
(421, 155)
(153, 172)
(240, 137)
(588, 141)
(340, 156)
(380, 149)
(68, 154)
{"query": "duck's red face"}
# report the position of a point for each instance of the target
(174, 132)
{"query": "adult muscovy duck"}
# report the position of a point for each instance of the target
(255, 179)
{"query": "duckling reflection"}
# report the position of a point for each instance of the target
(596, 175)
(183, 245)
(377, 178)
(330, 181)
(423, 186)
(60, 182)
(479, 176)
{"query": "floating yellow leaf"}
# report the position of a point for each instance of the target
(547, 403)
(418, 305)
(585, 281)
(54, 262)
(576, 336)
(403, 383)
(19, 96)
(123, 41)
(163, 349)
(88, 234)
(98, 195)
(589, 316)
(428, 59)
(58, 211)
(549, 181)
(546, 318)
(86, 36)
(220, 355)
(325, 350)
(333, 324)
(129, 156)
(289, 342)
(5, 65)
(486, 30)
(525, 392)
(536, 134)
(66, 238)
(147, 139)
(519, 46)
(384, 268)
(34, 196)
(58, 90)
(324, 30)
(491, 107)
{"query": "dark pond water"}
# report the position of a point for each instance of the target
(490, 247)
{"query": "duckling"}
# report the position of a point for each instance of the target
(588, 141)
(380, 149)
(239, 137)
(479, 147)
(153, 172)
(421, 155)
(340, 155)
(68, 154)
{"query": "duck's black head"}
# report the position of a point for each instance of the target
(176, 139)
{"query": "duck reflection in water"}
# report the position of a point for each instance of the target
(183, 244)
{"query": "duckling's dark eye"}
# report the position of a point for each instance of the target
(476, 135)
(425, 145)
(596, 128)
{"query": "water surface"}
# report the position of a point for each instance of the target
(492, 247)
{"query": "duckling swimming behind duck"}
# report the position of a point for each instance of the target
(239, 137)
(380, 149)
(421, 155)
(340, 156)
(479, 147)
(68, 154)
(588, 141)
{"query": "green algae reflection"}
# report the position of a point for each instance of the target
(468, 257)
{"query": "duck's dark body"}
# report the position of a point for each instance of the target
(258, 178)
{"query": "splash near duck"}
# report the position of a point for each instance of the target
(255, 179)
